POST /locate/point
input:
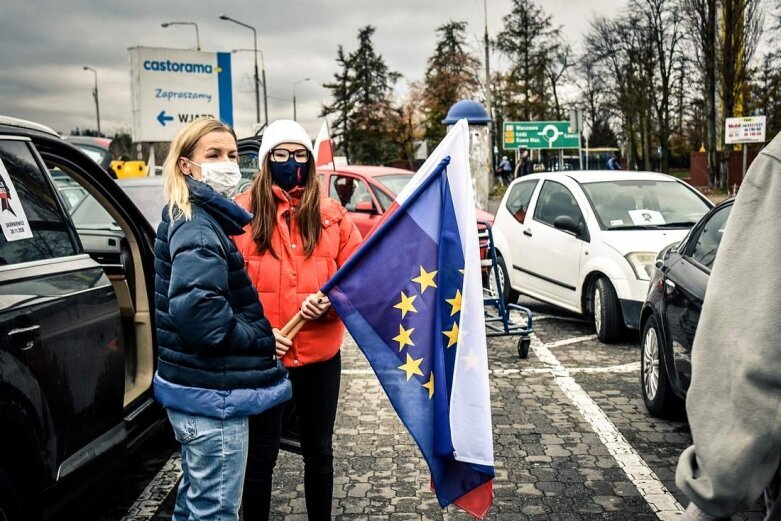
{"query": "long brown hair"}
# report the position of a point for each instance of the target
(264, 208)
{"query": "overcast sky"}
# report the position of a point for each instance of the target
(45, 44)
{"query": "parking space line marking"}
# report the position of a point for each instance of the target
(149, 501)
(661, 501)
(569, 341)
(632, 367)
(557, 317)
(624, 368)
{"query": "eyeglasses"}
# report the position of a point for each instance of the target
(281, 155)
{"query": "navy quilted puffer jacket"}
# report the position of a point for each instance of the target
(211, 330)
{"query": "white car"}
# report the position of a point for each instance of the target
(587, 241)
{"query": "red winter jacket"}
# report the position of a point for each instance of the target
(284, 282)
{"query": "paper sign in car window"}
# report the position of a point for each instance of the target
(13, 220)
(643, 217)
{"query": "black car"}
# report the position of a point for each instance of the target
(77, 342)
(672, 310)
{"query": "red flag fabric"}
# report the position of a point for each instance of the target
(324, 150)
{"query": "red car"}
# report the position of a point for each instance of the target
(368, 191)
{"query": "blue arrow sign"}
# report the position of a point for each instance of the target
(162, 118)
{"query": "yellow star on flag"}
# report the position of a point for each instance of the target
(426, 280)
(430, 386)
(406, 304)
(403, 338)
(411, 367)
(455, 302)
(452, 335)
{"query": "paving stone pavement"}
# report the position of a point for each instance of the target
(550, 464)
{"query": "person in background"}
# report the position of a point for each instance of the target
(612, 163)
(295, 242)
(505, 171)
(216, 363)
(525, 165)
(345, 188)
(735, 392)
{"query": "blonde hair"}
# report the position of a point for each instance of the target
(174, 186)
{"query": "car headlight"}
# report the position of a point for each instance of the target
(643, 264)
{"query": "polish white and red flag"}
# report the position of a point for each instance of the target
(324, 148)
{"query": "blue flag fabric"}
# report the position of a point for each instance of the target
(400, 298)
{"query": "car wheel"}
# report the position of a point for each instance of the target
(10, 506)
(509, 295)
(607, 311)
(654, 380)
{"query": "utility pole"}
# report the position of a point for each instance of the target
(263, 80)
(257, 78)
(488, 96)
(294, 95)
(95, 95)
(197, 34)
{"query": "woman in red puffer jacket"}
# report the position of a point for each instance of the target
(296, 241)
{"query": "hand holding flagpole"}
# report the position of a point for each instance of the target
(295, 324)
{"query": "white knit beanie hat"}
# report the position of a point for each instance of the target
(282, 131)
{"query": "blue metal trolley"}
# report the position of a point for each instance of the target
(497, 312)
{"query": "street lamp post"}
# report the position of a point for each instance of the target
(257, 80)
(263, 80)
(294, 95)
(95, 95)
(197, 35)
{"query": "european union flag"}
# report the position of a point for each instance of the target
(407, 300)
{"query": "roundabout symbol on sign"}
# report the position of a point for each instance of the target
(551, 133)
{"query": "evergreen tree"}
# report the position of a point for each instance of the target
(363, 104)
(342, 106)
(371, 86)
(451, 75)
(526, 41)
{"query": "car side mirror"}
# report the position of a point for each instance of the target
(365, 207)
(567, 224)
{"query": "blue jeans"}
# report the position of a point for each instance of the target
(214, 459)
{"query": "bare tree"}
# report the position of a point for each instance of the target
(742, 22)
(664, 25)
(623, 55)
(700, 16)
(556, 67)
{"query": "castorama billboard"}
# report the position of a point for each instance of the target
(171, 87)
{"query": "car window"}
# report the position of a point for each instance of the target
(39, 204)
(90, 214)
(248, 165)
(149, 199)
(710, 237)
(556, 200)
(95, 154)
(394, 182)
(519, 199)
(71, 196)
(349, 191)
(644, 203)
(384, 199)
(98, 231)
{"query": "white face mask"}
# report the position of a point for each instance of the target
(222, 177)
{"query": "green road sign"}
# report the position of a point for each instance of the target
(550, 135)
